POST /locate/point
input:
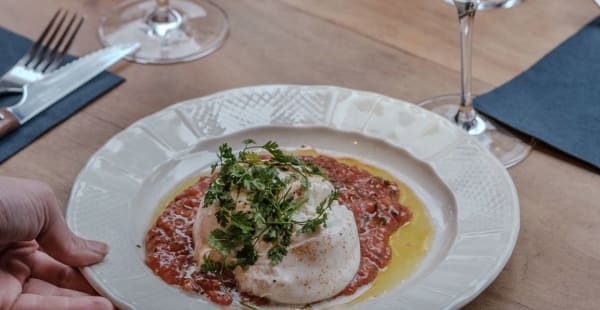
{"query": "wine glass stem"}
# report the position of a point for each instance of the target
(466, 116)
(163, 19)
(163, 3)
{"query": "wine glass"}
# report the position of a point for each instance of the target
(168, 31)
(508, 148)
(494, 4)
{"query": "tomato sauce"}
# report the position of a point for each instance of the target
(373, 201)
(377, 212)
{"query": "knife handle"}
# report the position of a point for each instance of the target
(8, 122)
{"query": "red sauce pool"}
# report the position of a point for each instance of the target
(373, 201)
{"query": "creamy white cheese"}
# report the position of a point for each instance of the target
(318, 265)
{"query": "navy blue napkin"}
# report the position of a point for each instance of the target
(557, 100)
(12, 48)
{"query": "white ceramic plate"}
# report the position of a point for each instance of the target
(469, 195)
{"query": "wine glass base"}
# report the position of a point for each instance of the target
(508, 148)
(494, 4)
(199, 28)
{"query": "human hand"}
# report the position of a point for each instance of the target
(31, 279)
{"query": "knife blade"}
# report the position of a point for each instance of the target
(39, 95)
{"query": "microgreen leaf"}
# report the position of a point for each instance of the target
(209, 265)
(222, 241)
(276, 253)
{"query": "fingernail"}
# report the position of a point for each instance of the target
(98, 247)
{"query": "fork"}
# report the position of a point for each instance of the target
(45, 56)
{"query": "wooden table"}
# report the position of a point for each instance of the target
(404, 49)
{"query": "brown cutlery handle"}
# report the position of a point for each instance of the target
(8, 122)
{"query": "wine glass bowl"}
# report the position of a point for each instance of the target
(168, 31)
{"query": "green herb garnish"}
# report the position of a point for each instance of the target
(271, 203)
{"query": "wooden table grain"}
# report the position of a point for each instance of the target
(403, 49)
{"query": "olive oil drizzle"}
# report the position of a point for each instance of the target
(409, 243)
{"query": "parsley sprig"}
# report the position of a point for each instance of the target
(271, 203)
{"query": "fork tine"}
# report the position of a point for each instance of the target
(35, 47)
(43, 53)
(54, 51)
(58, 56)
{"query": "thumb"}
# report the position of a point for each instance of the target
(60, 242)
(28, 210)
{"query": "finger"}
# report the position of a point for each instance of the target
(24, 244)
(48, 269)
(10, 289)
(19, 220)
(15, 267)
(39, 287)
(20, 248)
(28, 211)
(58, 240)
(39, 302)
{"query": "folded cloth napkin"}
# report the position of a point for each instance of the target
(12, 48)
(557, 100)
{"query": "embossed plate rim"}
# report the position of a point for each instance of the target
(442, 293)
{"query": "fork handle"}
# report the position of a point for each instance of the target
(8, 122)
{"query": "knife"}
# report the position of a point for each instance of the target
(39, 95)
